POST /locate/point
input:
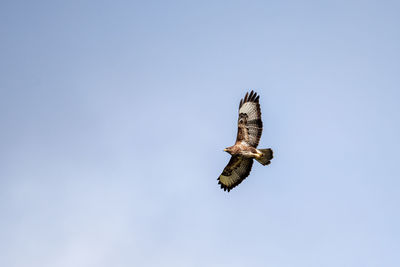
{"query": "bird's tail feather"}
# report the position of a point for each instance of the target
(267, 155)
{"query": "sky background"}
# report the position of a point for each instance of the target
(114, 115)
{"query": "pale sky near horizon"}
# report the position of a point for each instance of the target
(114, 116)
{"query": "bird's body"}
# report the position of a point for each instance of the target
(245, 149)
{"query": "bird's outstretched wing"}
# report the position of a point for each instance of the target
(249, 122)
(235, 172)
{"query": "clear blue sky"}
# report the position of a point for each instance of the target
(114, 114)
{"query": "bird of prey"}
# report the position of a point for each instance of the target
(245, 148)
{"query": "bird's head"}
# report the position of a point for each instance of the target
(228, 150)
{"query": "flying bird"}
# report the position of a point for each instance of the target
(245, 149)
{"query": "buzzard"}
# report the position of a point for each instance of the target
(245, 148)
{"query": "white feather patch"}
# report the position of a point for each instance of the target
(249, 108)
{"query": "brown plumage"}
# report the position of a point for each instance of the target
(245, 149)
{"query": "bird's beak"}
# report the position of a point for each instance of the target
(225, 149)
